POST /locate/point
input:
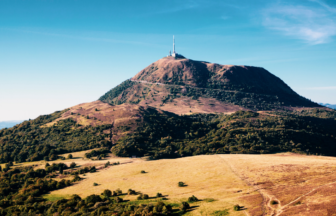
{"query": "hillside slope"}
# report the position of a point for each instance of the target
(186, 86)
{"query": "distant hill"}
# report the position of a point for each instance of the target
(185, 86)
(8, 124)
(332, 106)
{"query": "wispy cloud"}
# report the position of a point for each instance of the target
(314, 23)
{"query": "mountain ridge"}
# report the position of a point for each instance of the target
(248, 87)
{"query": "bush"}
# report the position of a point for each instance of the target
(274, 202)
(118, 192)
(192, 199)
(76, 178)
(95, 184)
(159, 195)
(93, 169)
(73, 165)
(143, 171)
(236, 207)
(107, 193)
(131, 192)
(69, 156)
(92, 199)
(142, 197)
(181, 184)
(118, 200)
(185, 206)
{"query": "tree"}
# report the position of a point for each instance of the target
(107, 193)
(69, 156)
(73, 165)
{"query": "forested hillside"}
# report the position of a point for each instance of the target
(162, 136)
(32, 140)
(166, 135)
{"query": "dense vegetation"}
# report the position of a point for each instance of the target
(165, 135)
(32, 140)
(116, 91)
(21, 190)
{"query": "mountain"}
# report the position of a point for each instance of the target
(8, 124)
(332, 106)
(181, 107)
(185, 86)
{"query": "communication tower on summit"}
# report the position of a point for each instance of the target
(174, 54)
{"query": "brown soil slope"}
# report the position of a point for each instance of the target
(125, 116)
(203, 74)
(169, 82)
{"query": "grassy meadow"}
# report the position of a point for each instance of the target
(277, 184)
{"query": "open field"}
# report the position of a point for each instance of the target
(278, 184)
(206, 177)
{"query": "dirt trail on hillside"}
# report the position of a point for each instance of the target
(264, 195)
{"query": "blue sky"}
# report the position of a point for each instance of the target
(56, 54)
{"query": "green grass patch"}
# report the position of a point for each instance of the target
(209, 200)
(221, 213)
(55, 197)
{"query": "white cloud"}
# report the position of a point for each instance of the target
(314, 23)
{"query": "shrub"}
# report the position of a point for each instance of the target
(69, 156)
(118, 200)
(95, 184)
(118, 192)
(107, 164)
(159, 195)
(185, 206)
(192, 199)
(236, 207)
(274, 202)
(93, 169)
(142, 197)
(131, 192)
(143, 171)
(181, 184)
(107, 193)
(93, 199)
(73, 165)
(76, 178)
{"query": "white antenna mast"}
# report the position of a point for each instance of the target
(173, 44)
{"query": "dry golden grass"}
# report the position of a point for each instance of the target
(206, 177)
(302, 185)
